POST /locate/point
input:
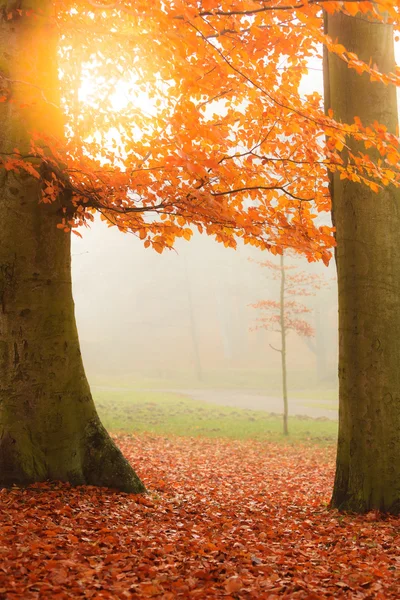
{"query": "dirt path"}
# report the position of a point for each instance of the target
(257, 400)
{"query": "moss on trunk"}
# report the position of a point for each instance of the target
(49, 428)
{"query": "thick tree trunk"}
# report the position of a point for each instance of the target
(49, 428)
(368, 264)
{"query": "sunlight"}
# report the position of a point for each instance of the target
(126, 93)
(109, 115)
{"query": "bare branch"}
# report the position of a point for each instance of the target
(276, 349)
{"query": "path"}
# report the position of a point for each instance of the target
(257, 400)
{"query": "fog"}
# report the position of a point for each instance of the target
(183, 318)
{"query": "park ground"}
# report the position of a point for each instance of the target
(233, 510)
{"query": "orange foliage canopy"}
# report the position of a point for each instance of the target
(214, 132)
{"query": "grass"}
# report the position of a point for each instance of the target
(302, 383)
(174, 414)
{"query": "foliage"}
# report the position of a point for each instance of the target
(172, 414)
(283, 315)
(224, 519)
(214, 132)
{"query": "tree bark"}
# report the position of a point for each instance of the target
(49, 428)
(368, 265)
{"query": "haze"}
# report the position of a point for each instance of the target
(182, 320)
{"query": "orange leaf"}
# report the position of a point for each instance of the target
(351, 7)
(233, 584)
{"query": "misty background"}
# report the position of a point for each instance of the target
(183, 318)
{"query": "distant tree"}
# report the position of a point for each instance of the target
(284, 315)
(193, 325)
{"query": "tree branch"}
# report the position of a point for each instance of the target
(276, 349)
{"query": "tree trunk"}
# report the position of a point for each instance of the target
(193, 327)
(320, 345)
(49, 428)
(368, 265)
(283, 349)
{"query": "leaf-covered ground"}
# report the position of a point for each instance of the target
(223, 519)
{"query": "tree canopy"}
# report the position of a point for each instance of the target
(191, 114)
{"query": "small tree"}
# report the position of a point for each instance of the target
(284, 315)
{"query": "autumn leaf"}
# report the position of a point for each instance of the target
(233, 584)
(351, 7)
(259, 528)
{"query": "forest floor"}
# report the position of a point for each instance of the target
(234, 510)
(232, 519)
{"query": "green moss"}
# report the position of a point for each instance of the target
(104, 464)
(19, 463)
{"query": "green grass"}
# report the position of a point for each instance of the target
(173, 414)
(302, 383)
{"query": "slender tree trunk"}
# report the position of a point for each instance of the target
(193, 327)
(320, 346)
(49, 428)
(283, 349)
(224, 323)
(368, 264)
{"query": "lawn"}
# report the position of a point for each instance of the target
(135, 411)
(302, 383)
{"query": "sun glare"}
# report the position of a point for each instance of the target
(125, 94)
(126, 99)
